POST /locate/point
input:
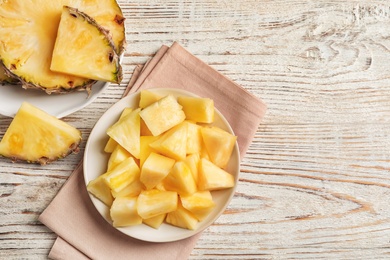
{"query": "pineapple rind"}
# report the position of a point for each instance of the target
(37, 137)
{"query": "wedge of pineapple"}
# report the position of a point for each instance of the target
(37, 137)
(211, 177)
(180, 179)
(123, 212)
(100, 189)
(182, 218)
(28, 33)
(111, 143)
(77, 35)
(200, 204)
(155, 169)
(197, 109)
(152, 203)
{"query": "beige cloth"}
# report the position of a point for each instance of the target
(82, 232)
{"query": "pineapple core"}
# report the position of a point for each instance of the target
(37, 137)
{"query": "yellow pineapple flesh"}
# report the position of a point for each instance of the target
(155, 222)
(122, 175)
(155, 169)
(37, 137)
(197, 109)
(123, 212)
(111, 143)
(154, 202)
(180, 179)
(200, 204)
(211, 177)
(99, 188)
(182, 218)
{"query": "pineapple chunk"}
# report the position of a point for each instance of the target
(111, 143)
(173, 143)
(37, 137)
(147, 98)
(198, 109)
(117, 156)
(131, 190)
(194, 138)
(200, 204)
(211, 177)
(99, 188)
(182, 218)
(123, 212)
(146, 150)
(144, 129)
(154, 202)
(85, 45)
(219, 145)
(192, 161)
(155, 222)
(155, 169)
(180, 179)
(162, 115)
(122, 175)
(126, 132)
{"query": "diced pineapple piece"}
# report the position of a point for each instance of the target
(194, 138)
(219, 144)
(182, 218)
(146, 150)
(111, 143)
(123, 212)
(144, 129)
(99, 188)
(162, 115)
(126, 132)
(211, 177)
(180, 179)
(37, 137)
(192, 161)
(200, 204)
(155, 169)
(156, 221)
(122, 175)
(197, 109)
(154, 202)
(117, 156)
(147, 98)
(173, 143)
(131, 190)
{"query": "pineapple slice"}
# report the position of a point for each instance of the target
(117, 156)
(182, 218)
(122, 175)
(111, 143)
(211, 177)
(194, 138)
(123, 212)
(99, 188)
(200, 204)
(155, 169)
(162, 115)
(180, 180)
(126, 132)
(28, 33)
(152, 203)
(131, 190)
(37, 137)
(219, 145)
(147, 98)
(198, 109)
(172, 143)
(155, 222)
(77, 35)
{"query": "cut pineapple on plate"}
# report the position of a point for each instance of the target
(37, 137)
(200, 204)
(28, 33)
(180, 179)
(123, 212)
(80, 36)
(200, 110)
(100, 189)
(122, 175)
(211, 177)
(182, 218)
(155, 169)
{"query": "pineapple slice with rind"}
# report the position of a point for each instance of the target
(28, 33)
(162, 115)
(77, 35)
(197, 109)
(122, 175)
(126, 132)
(219, 144)
(182, 218)
(200, 204)
(154, 202)
(123, 212)
(98, 187)
(180, 179)
(37, 137)
(211, 177)
(155, 169)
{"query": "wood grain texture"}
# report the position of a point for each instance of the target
(315, 183)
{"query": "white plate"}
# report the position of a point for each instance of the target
(12, 96)
(95, 164)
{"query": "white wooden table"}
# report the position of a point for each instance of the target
(316, 180)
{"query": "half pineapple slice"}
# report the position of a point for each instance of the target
(37, 137)
(28, 33)
(80, 36)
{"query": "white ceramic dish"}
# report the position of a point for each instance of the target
(12, 96)
(95, 163)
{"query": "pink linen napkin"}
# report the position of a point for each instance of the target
(82, 232)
